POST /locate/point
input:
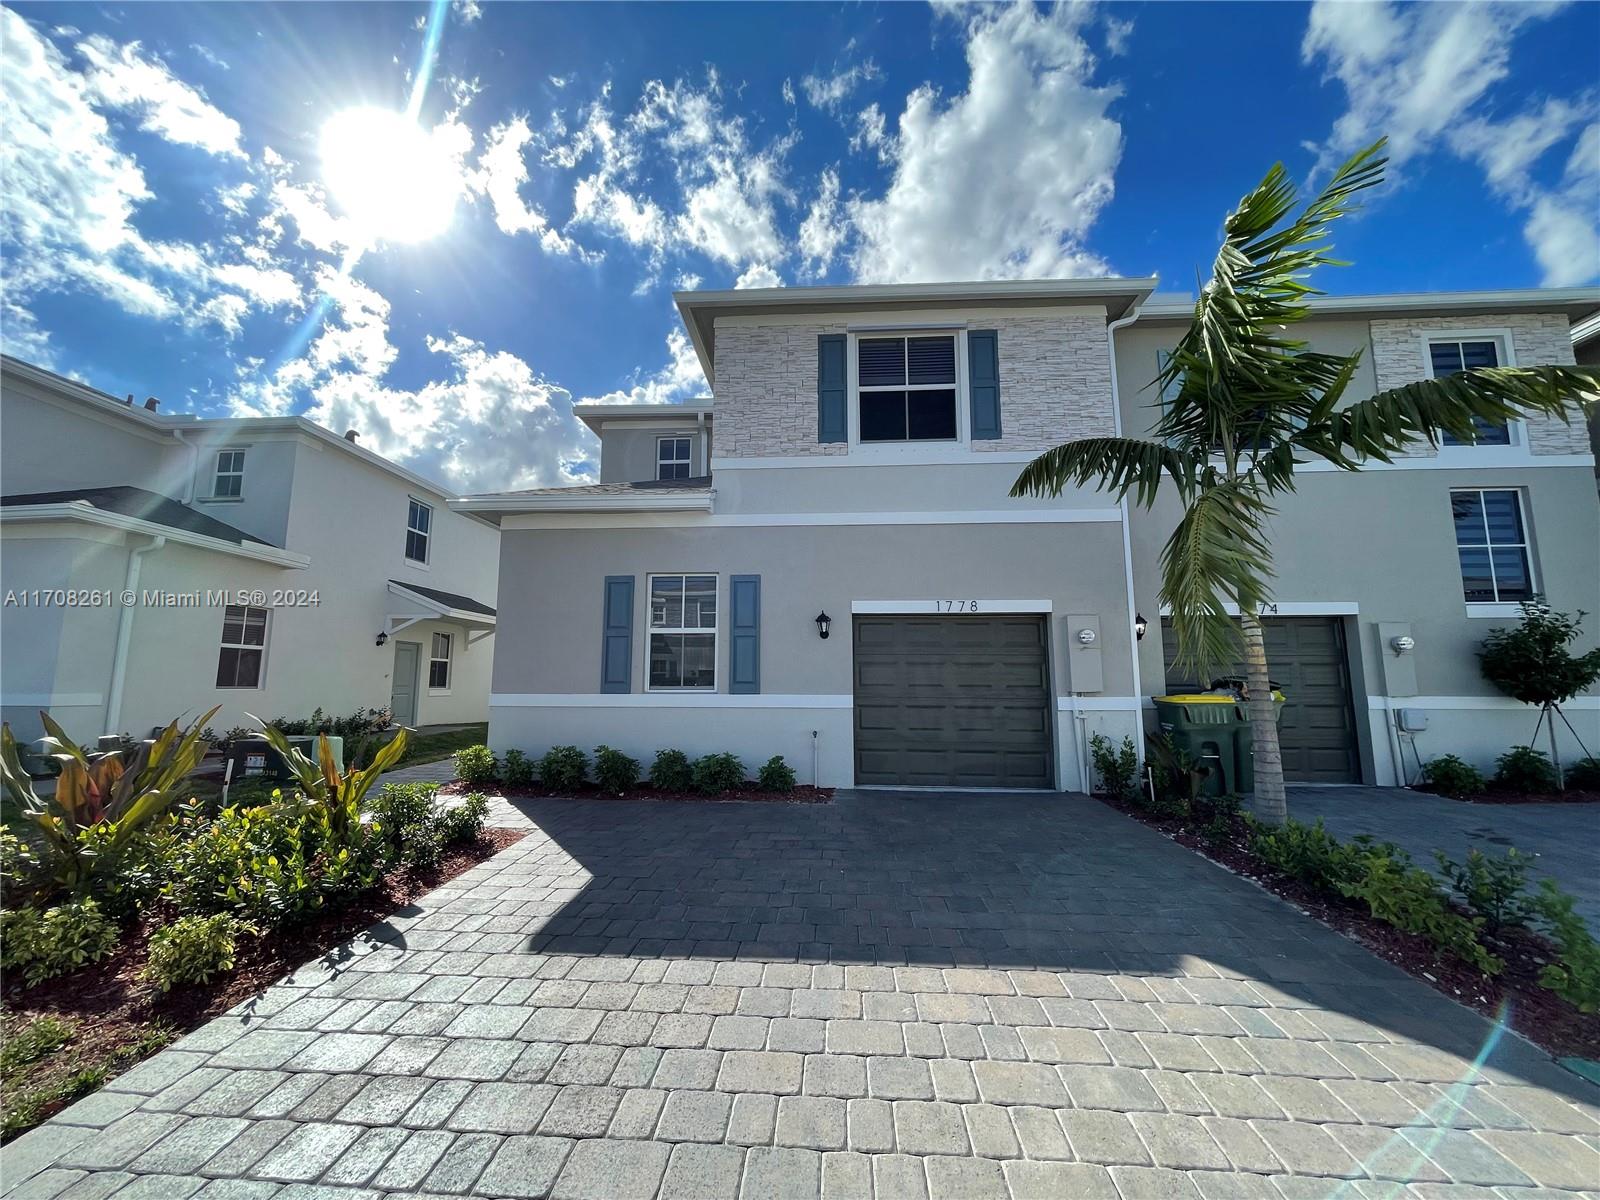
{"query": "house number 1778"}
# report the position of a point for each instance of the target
(955, 606)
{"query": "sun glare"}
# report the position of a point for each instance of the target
(393, 180)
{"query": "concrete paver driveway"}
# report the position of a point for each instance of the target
(895, 996)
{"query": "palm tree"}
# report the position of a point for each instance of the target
(1248, 405)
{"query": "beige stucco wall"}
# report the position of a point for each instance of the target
(628, 454)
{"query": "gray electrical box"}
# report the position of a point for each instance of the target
(1412, 720)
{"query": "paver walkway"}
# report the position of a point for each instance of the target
(1566, 837)
(898, 996)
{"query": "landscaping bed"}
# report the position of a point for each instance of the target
(1495, 796)
(564, 772)
(66, 1037)
(799, 794)
(1531, 1008)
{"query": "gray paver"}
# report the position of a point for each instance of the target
(811, 1122)
(524, 1167)
(781, 1173)
(923, 1127)
(612, 1170)
(701, 1172)
(695, 1117)
(1056, 1180)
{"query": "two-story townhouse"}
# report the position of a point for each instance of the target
(156, 565)
(846, 582)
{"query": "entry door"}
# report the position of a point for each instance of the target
(952, 702)
(403, 700)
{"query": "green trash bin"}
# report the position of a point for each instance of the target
(1206, 727)
(1243, 774)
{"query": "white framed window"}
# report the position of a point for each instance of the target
(1492, 544)
(419, 531)
(1467, 351)
(439, 663)
(673, 458)
(907, 388)
(227, 482)
(683, 633)
(242, 660)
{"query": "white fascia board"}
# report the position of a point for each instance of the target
(81, 511)
(595, 415)
(442, 611)
(664, 502)
(1586, 330)
(657, 520)
(1583, 300)
(929, 607)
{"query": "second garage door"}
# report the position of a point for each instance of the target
(952, 702)
(1306, 655)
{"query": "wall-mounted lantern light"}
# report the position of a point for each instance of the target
(824, 623)
(1086, 637)
(1140, 627)
(1403, 644)
(382, 638)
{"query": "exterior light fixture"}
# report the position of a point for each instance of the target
(1086, 636)
(824, 622)
(382, 638)
(1140, 627)
(1403, 644)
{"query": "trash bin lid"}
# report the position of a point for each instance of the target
(1197, 698)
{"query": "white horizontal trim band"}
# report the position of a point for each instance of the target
(1294, 608)
(1100, 703)
(909, 458)
(993, 516)
(52, 700)
(1478, 703)
(84, 512)
(952, 607)
(664, 700)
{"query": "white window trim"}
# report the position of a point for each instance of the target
(715, 631)
(449, 660)
(265, 647)
(1502, 608)
(425, 563)
(217, 472)
(1517, 447)
(908, 449)
(661, 441)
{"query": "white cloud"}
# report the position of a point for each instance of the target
(466, 11)
(1117, 34)
(687, 282)
(831, 91)
(824, 230)
(788, 92)
(759, 275)
(1006, 179)
(124, 77)
(1425, 75)
(502, 170)
(870, 133)
(680, 379)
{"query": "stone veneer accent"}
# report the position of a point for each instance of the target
(1055, 385)
(1537, 339)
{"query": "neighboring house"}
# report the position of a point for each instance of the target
(1586, 348)
(320, 545)
(855, 466)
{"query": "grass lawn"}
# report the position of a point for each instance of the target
(431, 747)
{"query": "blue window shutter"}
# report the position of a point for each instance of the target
(616, 656)
(983, 377)
(833, 423)
(744, 658)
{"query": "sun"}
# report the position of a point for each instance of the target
(392, 179)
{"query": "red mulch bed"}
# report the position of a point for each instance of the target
(804, 794)
(1570, 796)
(1537, 1013)
(111, 1008)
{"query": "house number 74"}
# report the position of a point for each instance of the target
(955, 606)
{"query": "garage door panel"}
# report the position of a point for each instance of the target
(958, 701)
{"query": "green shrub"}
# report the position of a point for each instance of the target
(45, 943)
(1524, 769)
(563, 767)
(1575, 975)
(1117, 767)
(1450, 776)
(1493, 888)
(192, 949)
(1217, 817)
(464, 822)
(517, 770)
(717, 773)
(1177, 778)
(1584, 775)
(1411, 900)
(475, 764)
(776, 775)
(35, 1040)
(406, 814)
(671, 771)
(614, 771)
(1310, 853)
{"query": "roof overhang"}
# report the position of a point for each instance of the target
(426, 608)
(505, 504)
(700, 310)
(82, 512)
(1585, 331)
(1576, 303)
(596, 415)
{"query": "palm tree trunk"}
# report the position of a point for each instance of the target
(1271, 805)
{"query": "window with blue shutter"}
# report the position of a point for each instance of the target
(983, 379)
(833, 404)
(744, 655)
(616, 655)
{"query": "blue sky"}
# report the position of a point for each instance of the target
(177, 221)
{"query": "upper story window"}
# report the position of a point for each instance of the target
(228, 482)
(672, 458)
(683, 631)
(419, 531)
(1446, 356)
(906, 388)
(439, 663)
(244, 646)
(1492, 542)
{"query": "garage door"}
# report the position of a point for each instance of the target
(1306, 655)
(952, 702)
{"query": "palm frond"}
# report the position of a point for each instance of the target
(1218, 553)
(1116, 464)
